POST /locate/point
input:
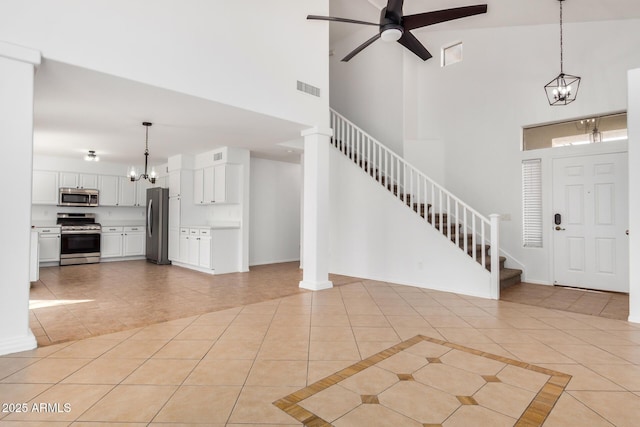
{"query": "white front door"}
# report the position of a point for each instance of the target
(590, 195)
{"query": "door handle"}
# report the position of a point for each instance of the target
(558, 228)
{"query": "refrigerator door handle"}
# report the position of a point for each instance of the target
(150, 218)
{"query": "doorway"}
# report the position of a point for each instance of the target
(590, 205)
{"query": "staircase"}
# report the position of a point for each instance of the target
(474, 234)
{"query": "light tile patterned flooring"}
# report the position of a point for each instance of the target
(228, 367)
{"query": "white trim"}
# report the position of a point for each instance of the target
(16, 345)
(633, 319)
(277, 261)
(317, 131)
(316, 286)
(20, 53)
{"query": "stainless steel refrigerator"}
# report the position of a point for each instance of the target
(158, 225)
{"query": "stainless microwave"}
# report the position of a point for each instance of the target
(78, 197)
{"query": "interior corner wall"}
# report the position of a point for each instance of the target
(633, 123)
(477, 107)
(275, 211)
(241, 53)
(374, 235)
(368, 90)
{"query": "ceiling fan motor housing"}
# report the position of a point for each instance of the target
(391, 24)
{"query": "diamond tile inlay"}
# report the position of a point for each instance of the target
(420, 386)
(405, 377)
(467, 400)
(369, 399)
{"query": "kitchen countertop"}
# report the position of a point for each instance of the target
(43, 224)
(127, 223)
(217, 225)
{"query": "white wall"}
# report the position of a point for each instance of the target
(368, 90)
(375, 236)
(633, 120)
(242, 53)
(477, 107)
(275, 212)
(16, 134)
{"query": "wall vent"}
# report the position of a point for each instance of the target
(307, 88)
(217, 156)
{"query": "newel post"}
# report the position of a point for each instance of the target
(495, 256)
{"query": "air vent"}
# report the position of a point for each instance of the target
(217, 156)
(307, 88)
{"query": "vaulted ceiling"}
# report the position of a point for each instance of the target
(78, 110)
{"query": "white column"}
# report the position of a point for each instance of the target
(17, 67)
(633, 124)
(315, 228)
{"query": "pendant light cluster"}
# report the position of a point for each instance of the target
(149, 176)
(563, 89)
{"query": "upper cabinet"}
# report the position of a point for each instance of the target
(45, 188)
(78, 180)
(217, 184)
(116, 191)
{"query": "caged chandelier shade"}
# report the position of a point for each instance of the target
(563, 89)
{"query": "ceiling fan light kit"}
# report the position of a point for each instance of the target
(92, 156)
(563, 89)
(394, 26)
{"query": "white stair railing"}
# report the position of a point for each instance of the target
(460, 223)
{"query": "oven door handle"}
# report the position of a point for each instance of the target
(149, 218)
(80, 232)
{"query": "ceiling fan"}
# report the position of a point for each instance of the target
(394, 26)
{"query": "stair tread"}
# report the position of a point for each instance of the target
(509, 273)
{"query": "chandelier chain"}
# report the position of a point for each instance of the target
(561, 44)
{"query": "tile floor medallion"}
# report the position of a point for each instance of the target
(425, 381)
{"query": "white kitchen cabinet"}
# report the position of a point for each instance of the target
(108, 186)
(111, 242)
(175, 183)
(198, 186)
(78, 180)
(44, 188)
(174, 244)
(125, 241)
(217, 184)
(141, 192)
(183, 250)
(134, 241)
(126, 192)
(204, 251)
(49, 244)
(209, 185)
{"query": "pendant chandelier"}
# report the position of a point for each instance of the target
(563, 89)
(133, 176)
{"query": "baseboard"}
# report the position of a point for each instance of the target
(279, 261)
(16, 345)
(634, 319)
(316, 286)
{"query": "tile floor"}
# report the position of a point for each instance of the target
(612, 305)
(81, 301)
(228, 367)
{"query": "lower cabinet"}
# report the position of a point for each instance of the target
(122, 242)
(48, 244)
(209, 249)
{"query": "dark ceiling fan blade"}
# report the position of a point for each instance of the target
(334, 19)
(395, 7)
(409, 41)
(361, 48)
(411, 22)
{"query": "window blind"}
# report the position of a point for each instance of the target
(532, 203)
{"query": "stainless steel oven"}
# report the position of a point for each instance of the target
(79, 238)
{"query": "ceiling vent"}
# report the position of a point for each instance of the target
(307, 88)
